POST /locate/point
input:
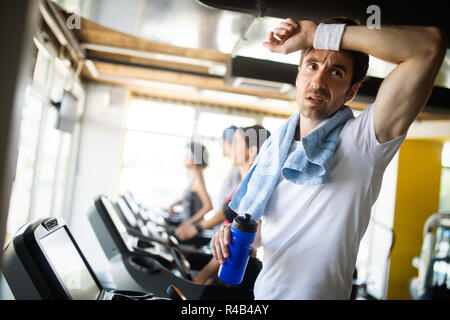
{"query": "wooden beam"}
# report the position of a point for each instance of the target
(93, 55)
(91, 32)
(181, 79)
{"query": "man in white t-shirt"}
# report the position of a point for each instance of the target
(311, 233)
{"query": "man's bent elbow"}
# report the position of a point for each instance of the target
(438, 42)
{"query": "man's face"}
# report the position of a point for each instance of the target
(323, 83)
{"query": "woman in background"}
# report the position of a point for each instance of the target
(196, 201)
(246, 145)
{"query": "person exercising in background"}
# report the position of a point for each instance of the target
(188, 230)
(196, 201)
(243, 151)
(312, 221)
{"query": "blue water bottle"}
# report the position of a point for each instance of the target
(243, 232)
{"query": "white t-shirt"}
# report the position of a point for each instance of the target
(311, 233)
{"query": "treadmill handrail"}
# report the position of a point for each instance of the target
(436, 220)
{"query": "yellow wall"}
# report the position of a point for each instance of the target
(418, 184)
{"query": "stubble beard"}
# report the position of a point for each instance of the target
(313, 113)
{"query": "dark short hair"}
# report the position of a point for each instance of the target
(228, 133)
(199, 154)
(254, 135)
(360, 59)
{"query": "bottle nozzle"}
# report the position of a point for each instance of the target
(245, 223)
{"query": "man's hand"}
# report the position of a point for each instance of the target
(220, 242)
(292, 36)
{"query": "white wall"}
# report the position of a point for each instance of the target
(429, 129)
(98, 163)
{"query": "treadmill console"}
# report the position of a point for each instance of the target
(69, 266)
(43, 261)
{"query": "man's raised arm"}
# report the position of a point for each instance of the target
(418, 53)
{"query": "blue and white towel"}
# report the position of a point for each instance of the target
(307, 165)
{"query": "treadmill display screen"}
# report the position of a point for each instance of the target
(69, 266)
(118, 224)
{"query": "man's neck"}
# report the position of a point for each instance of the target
(305, 127)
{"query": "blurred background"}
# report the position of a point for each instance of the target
(100, 97)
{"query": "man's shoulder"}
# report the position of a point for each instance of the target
(358, 136)
(360, 124)
(362, 115)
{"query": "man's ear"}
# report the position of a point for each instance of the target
(351, 93)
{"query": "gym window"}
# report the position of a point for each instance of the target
(156, 132)
(46, 155)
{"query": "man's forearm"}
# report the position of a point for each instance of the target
(394, 44)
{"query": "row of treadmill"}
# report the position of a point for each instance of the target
(147, 262)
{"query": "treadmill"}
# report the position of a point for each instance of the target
(44, 262)
(136, 225)
(155, 219)
(136, 267)
(151, 232)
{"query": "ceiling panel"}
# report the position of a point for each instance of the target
(190, 24)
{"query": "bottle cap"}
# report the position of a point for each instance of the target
(229, 213)
(245, 223)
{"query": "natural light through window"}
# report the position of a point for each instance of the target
(161, 117)
(212, 124)
(153, 147)
(273, 124)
